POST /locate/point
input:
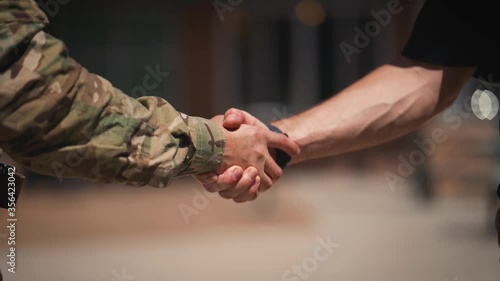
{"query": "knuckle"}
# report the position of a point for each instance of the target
(260, 153)
(231, 110)
(246, 182)
(258, 133)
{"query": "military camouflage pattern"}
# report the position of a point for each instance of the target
(58, 119)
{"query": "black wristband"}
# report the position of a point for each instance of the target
(282, 158)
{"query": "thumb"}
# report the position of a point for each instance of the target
(282, 142)
(233, 119)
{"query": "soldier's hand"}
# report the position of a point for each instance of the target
(234, 118)
(253, 144)
(233, 181)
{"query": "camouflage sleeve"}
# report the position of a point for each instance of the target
(58, 119)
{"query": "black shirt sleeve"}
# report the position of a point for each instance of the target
(457, 33)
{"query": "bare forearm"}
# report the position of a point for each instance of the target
(388, 103)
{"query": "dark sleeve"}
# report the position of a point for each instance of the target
(453, 33)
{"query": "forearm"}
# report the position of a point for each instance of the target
(58, 119)
(388, 103)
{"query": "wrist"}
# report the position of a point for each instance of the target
(209, 141)
(284, 126)
(289, 127)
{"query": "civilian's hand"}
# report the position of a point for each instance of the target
(250, 146)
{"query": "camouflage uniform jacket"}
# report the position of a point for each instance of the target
(58, 119)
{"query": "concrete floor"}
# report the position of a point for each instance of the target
(113, 233)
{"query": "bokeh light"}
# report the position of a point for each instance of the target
(310, 12)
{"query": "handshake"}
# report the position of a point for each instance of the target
(249, 164)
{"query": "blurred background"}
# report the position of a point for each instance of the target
(360, 216)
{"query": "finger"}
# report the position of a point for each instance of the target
(234, 118)
(206, 178)
(230, 177)
(272, 169)
(226, 180)
(251, 194)
(282, 142)
(272, 152)
(265, 182)
(246, 182)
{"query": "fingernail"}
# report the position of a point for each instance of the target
(237, 173)
(231, 117)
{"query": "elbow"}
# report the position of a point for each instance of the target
(441, 85)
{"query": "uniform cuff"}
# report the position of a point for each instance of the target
(208, 140)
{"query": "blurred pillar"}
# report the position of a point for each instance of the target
(197, 61)
(263, 63)
(304, 66)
